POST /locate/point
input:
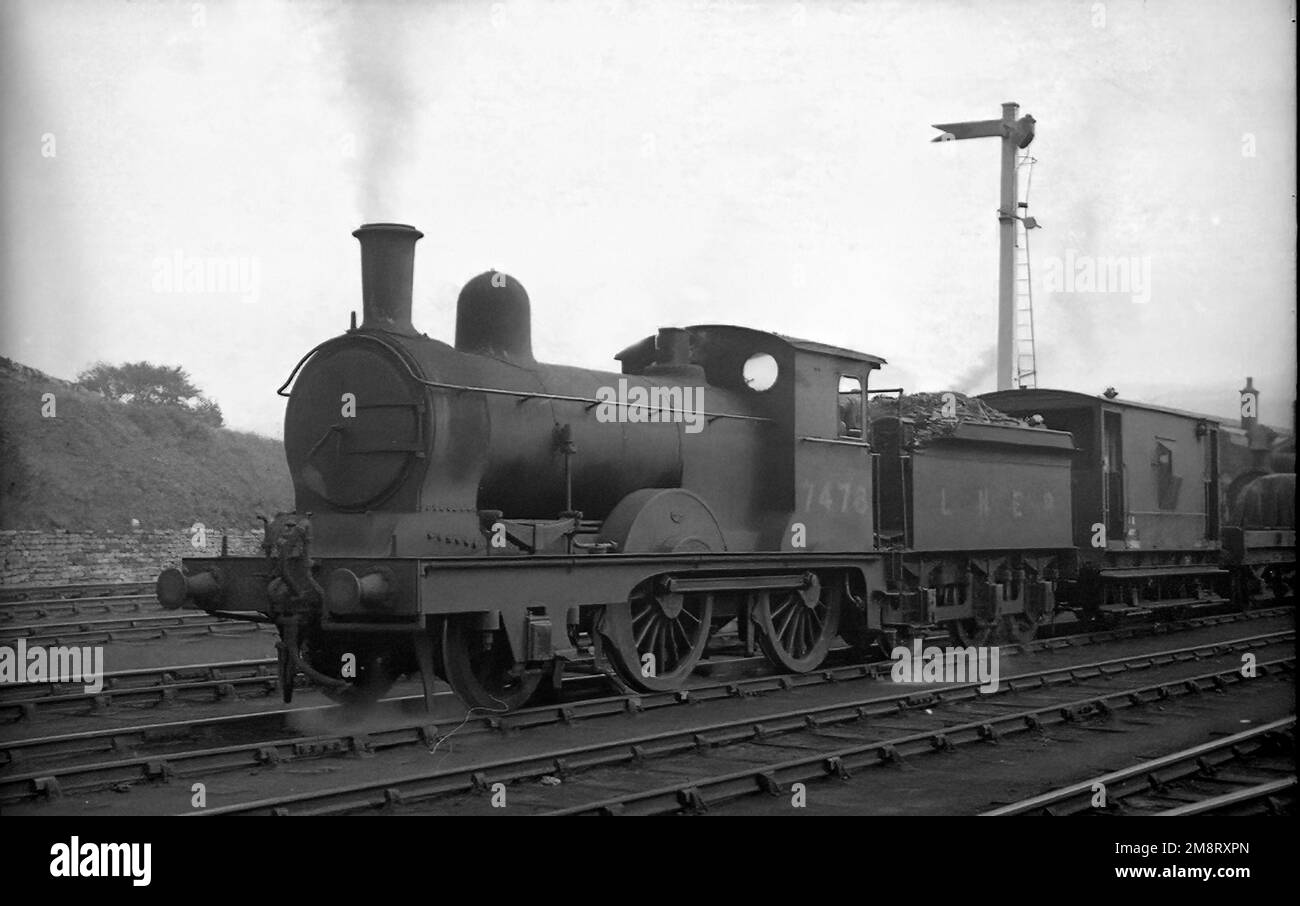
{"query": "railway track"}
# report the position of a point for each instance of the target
(715, 762)
(149, 686)
(166, 756)
(269, 745)
(239, 679)
(1252, 772)
(73, 591)
(89, 632)
(46, 608)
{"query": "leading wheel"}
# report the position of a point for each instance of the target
(373, 684)
(480, 667)
(369, 670)
(656, 640)
(796, 626)
(375, 676)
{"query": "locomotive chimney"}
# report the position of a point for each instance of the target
(1250, 409)
(387, 269)
(493, 318)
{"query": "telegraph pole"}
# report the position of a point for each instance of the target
(1015, 134)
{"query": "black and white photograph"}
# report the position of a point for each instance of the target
(741, 408)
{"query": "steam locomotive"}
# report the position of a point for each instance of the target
(469, 513)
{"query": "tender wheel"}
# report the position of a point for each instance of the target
(658, 638)
(1019, 628)
(972, 633)
(1265, 586)
(867, 644)
(855, 627)
(796, 627)
(480, 667)
(1282, 584)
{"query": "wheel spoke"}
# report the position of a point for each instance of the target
(665, 654)
(680, 632)
(807, 635)
(656, 646)
(788, 604)
(642, 633)
(782, 630)
(792, 631)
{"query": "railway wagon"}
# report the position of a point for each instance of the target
(1145, 498)
(1258, 477)
(977, 521)
(1259, 538)
(469, 512)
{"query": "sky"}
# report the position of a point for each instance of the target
(180, 181)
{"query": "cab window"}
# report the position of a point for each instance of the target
(850, 401)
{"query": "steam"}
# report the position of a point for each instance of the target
(381, 104)
(984, 370)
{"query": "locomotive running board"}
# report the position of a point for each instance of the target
(1115, 574)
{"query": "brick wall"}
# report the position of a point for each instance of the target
(61, 558)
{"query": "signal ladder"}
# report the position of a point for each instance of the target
(1026, 365)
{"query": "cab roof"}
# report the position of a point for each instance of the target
(802, 345)
(1047, 397)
